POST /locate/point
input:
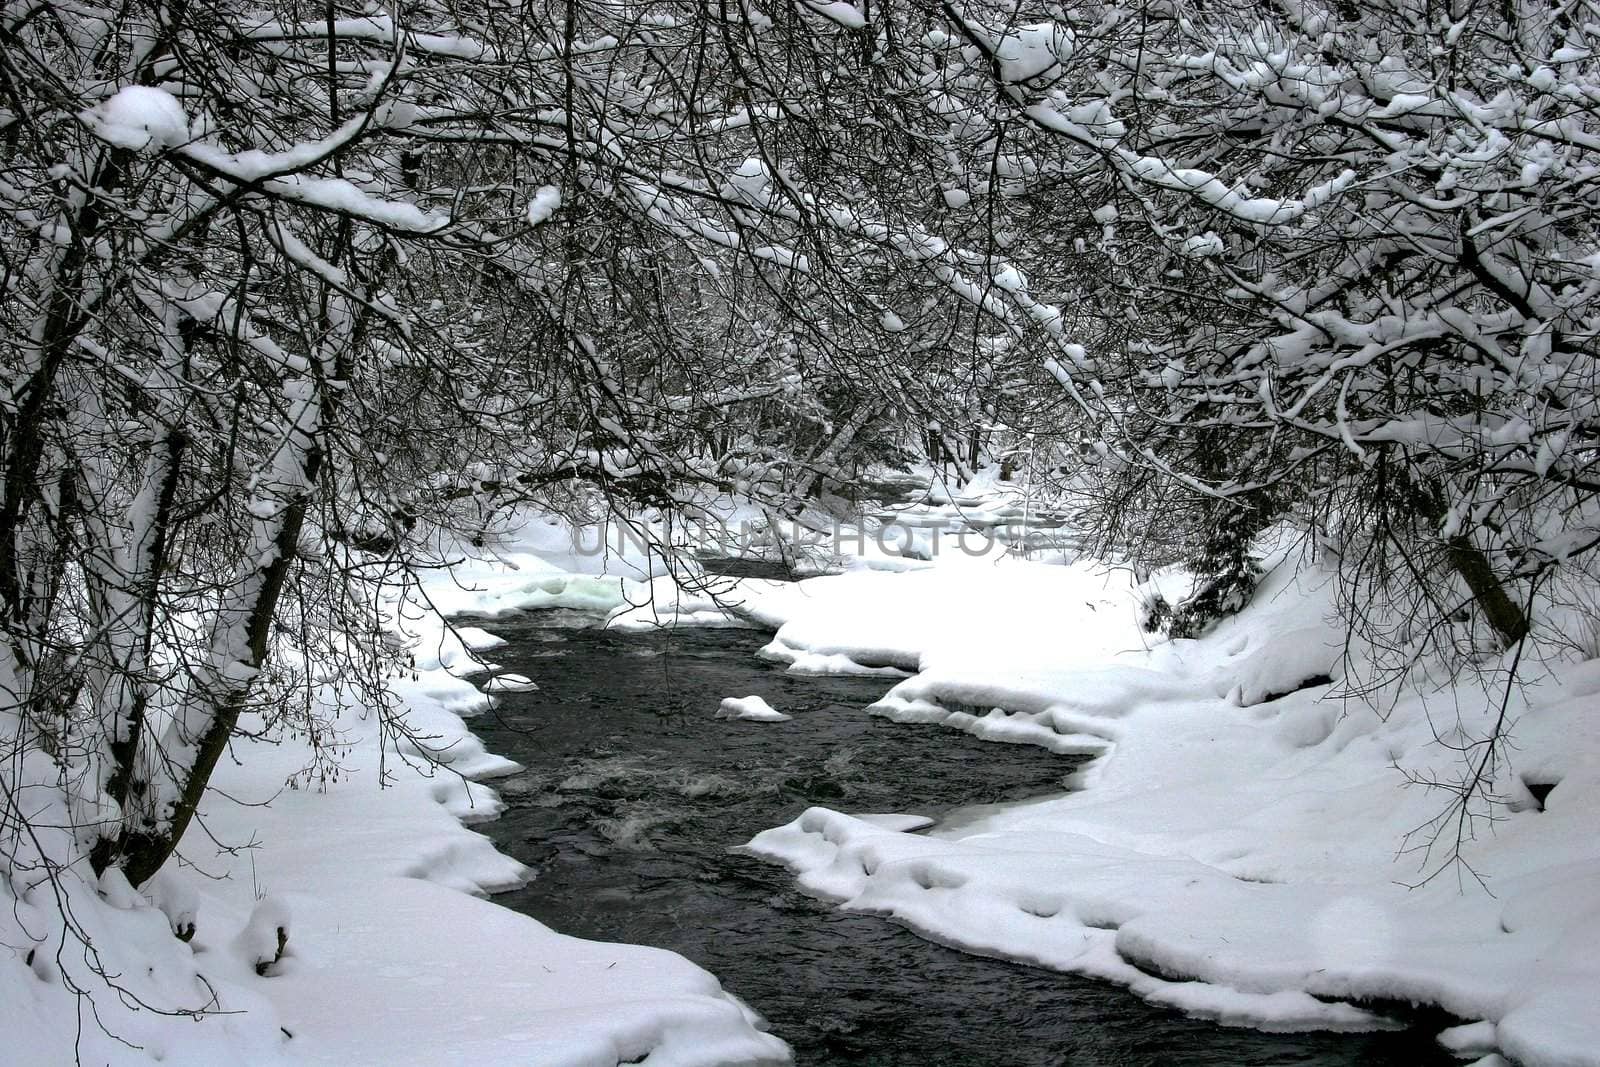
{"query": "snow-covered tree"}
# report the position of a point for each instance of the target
(1329, 261)
(284, 287)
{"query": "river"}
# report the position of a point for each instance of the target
(634, 794)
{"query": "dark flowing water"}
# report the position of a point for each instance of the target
(634, 794)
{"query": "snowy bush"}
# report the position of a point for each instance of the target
(265, 937)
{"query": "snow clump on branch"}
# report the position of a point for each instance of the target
(138, 117)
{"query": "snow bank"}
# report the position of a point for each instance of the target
(824, 663)
(1241, 850)
(510, 683)
(391, 958)
(188, 1011)
(532, 561)
(961, 613)
(665, 602)
(330, 888)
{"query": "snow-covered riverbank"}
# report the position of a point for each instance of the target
(1242, 850)
(1259, 844)
(396, 960)
(392, 957)
(1256, 843)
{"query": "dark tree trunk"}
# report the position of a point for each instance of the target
(1470, 561)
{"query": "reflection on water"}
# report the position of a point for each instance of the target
(634, 793)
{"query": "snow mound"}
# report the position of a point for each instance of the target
(1470, 1039)
(191, 1010)
(510, 683)
(478, 640)
(1279, 663)
(176, 897)
(751, 709)
(265, 937)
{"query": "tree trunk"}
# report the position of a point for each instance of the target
(1470, 561)
(1503, 613)
(220, 693)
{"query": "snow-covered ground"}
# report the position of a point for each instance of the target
(1244, 849)
(391, 957)
(1233, 854)
(1240, 849)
